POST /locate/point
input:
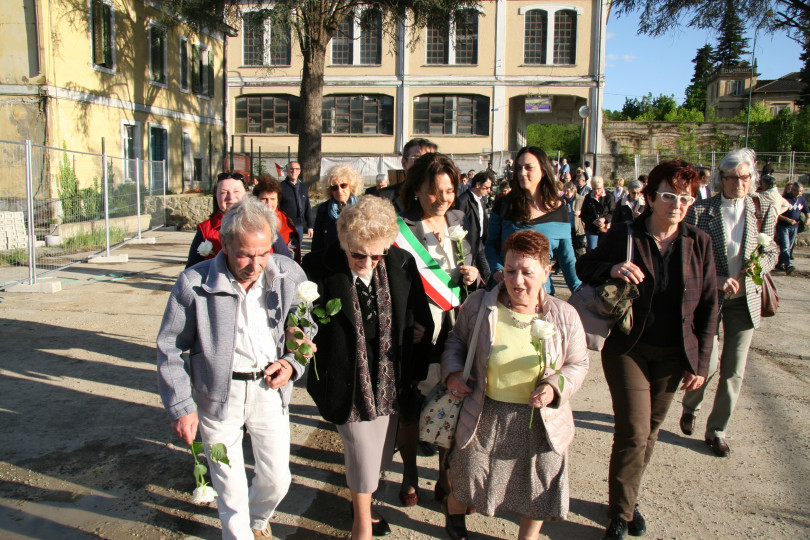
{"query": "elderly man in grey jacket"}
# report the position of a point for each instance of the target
(229, 313)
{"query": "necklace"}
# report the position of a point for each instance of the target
(521, 325)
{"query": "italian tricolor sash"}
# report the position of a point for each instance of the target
(439, 286)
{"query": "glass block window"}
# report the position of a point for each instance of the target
(342, 42)
(252, 39)
(565, 37)
(534, 37)
(467, 38)
(451, 115)
(358, 114)
(438, 44)
(267, 114)
(371, 37)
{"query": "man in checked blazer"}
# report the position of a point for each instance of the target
(730, 217)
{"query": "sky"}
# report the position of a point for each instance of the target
(636, 65)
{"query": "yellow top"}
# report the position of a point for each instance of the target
(514, 366)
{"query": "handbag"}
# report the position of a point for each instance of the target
(600, 307)
(769, 302)
(770, 297)
(440, 411)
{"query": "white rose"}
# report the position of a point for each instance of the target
(763, 239)
(307, 292)
(205, 248)
(542, 329)
(203, 495)
(456, 233)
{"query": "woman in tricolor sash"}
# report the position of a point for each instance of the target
(451, 268)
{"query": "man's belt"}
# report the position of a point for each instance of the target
(247, 376)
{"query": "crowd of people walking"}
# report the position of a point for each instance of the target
(444, 273)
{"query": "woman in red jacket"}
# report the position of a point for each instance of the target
(268, 191)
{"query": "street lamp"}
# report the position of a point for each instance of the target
(768, 14)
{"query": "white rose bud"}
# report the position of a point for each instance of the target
(205, 248)
(456, 233)
(542, 329)
(307, 291)
(203, 495)
(763, 239)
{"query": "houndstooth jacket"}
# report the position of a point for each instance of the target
(706, 215)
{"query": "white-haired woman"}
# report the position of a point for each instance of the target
(733, 219)
(367, 352)
(343, 185)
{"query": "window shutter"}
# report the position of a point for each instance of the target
(196, 72)
(210, 73)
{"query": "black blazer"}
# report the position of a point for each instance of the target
(334, 392)
(466, 203)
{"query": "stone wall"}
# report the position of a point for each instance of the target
(182, 211)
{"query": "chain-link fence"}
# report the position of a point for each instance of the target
(59, 207)
(788, 166)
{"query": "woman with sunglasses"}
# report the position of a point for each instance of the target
(343, 186)
(673, 325)
(429, 222)
(229, 190)
(366, 352)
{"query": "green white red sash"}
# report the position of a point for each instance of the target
(439, 286)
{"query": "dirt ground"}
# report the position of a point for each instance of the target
(86, 450)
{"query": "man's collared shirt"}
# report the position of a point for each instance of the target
(255, 346)
(733, 211)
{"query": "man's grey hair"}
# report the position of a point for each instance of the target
(732, 160)
(635, 184)
(248, 215)
(570, 185)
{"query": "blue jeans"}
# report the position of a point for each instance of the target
(785, 237)
(592, 239)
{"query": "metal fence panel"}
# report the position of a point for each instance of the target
(55, 210)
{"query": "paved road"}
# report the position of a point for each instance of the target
(86, 451)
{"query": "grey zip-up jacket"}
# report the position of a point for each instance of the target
(201, 317)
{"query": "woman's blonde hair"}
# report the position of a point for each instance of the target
(597, 181)
(372, 219)
(343, 172)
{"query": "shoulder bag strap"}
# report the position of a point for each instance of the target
(471, 345)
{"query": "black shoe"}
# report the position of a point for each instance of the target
(454, 524)
(719, 446)
(428, 449)
(687, 423)
(780, 267)
(638, 526)
(617, 529)
(789, 269)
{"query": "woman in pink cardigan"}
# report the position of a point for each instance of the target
(516, 423)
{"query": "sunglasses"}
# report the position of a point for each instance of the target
(361, 256)
(668, 197)
(338, 186)
(227, 175)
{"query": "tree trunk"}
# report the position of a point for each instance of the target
(309, 136)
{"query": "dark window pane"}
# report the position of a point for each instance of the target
(342, 42)
(467, 38)
(267, 114)
(280, 45)
(438, 42)
(253, 39)
(534, 39)
(565, 37)
(371, 37)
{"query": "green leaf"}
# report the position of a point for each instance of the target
(757, 279)
(319, 312)
(302, 310)
(220, 453)
(326, 320)
(306, 349)
(298, 334)
(304, 323)
(333, 306)
(562, 383)
(200, 470)
(292, 320)
(196, 448)
(300, 358)
(292, 344)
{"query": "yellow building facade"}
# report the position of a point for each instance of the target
(75, 72)
(472, 89)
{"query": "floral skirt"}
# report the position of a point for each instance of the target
(510, 468)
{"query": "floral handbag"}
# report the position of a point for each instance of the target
(440, 411)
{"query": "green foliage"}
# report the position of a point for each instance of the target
(85, 241)
(696, 92)
(648, 108)
(684, 114)
(801, 131)
(731, 45)
(552, 138)
(759, 114)
(67, 187)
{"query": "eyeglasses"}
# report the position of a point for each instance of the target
(668, 197)
(360, 256)
(338, 186)
(227, 175)
(295, 168)
(742, 178)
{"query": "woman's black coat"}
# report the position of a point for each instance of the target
(334, 390)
